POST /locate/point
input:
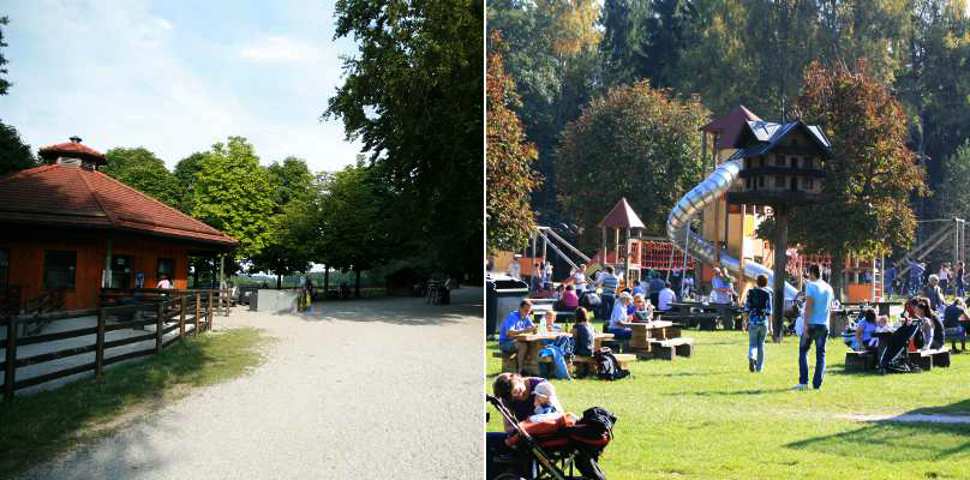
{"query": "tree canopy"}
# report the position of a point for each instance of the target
(412, 95)
(141, 169)
(14, 153)
(509, 159)
(635, 142)
(4, 83)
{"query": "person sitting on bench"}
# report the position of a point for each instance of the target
(954, 317)
(864, 339)
(569, 300)
(583, 334)
(516, 323)
(643, 310)
(619, 320)
(549, 323)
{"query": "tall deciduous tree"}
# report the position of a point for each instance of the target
(185, 173)
(413, 96)
(140, 169)
(4, 83)
(511, 178)
(865, 209)
(954, 193)
(291, 185)
(232, 193)
(14, 153)
(635, 142)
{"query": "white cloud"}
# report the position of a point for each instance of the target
(278, 49)
(164, 24)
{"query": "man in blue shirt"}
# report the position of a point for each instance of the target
(516, 323)
(815, 328)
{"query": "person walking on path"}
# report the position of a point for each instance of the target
(757, 306)
(818, 306)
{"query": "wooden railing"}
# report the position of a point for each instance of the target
(179, 310)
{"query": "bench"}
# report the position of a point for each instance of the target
(927, 359)
(860, 360)
(509, 363)
(704, 321)
(672, 348)
(588, 364)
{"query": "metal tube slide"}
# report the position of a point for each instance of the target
(691, 204)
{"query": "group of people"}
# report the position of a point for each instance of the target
(521, 322)
(951, 278)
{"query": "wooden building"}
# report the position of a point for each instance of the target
(66, 226)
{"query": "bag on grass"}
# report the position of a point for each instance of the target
(607, 366)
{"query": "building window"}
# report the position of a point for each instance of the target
(166, 266)
(779, 182)
(4, 267)
(59, 269)
(121, 271)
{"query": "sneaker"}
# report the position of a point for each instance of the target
(800, 386)
(750, 364)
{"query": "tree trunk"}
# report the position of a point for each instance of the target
(356, 282)
(279, 281)
(326, 281)
(838, 262)
(195, 276)
(778, 278)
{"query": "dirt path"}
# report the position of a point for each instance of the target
(364, 389)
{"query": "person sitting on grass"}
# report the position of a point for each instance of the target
(954, 318)
(757, 305)
(517, 393)
(619, 320)
(516, 323)
(864, 332)
(583, 334)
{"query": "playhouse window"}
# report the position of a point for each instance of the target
(59, 269)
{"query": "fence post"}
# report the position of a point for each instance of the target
(209, 315)
(99, 346)
(182, 315)
(159, 326)
(10, 374)
(195, 319)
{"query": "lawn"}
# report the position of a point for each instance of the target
(708, 417)
(37, 427)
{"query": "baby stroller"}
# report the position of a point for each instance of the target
(573, 448)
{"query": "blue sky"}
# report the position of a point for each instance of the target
(177, 76)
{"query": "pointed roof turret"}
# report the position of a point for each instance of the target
(622, 216)
(730, 126)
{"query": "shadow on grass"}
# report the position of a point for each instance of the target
(37, 427)
(892, 441)
(730, 393)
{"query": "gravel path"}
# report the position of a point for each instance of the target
(359, 389)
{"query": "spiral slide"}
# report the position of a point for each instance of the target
(691, 204)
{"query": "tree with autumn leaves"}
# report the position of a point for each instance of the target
(509, 160)
(865, 208)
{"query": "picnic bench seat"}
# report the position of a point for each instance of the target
(860, 360)
(927, 359)
(704, 321)
(672, 348)
(509, 363)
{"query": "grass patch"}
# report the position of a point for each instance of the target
(37, 427)
(708, 417)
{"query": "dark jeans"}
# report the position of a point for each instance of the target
(620, 333)
(818, 334)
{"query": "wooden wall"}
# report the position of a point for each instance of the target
(26, 253)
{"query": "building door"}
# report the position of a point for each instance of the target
(121, 271)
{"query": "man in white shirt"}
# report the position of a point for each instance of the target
(619, 320)
(665, 298)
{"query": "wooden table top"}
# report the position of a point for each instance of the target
(656, 324)
(535, 337)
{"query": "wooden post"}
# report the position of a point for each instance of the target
(159, 325)
(99, 346)
(10, 374)
(182, 315)
(208, 316)
(195, 319)
(778, 283)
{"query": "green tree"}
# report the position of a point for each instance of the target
(140, 169)
(509, 160)
(954, 193)
(412, 95)
(284, 254)
(14, 153)
(185, 173)
(232, 193)
(865, 207)
(635, 142)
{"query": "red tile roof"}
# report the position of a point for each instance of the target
(72, 149)
(730, 126)
(622, 216)
(65, 195)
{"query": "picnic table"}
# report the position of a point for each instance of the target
(704, 313)
(536, 341)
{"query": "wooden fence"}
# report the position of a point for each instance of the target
(175, 312)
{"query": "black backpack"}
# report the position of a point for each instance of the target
(607, 367)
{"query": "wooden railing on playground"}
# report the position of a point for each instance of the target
(178, 309)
